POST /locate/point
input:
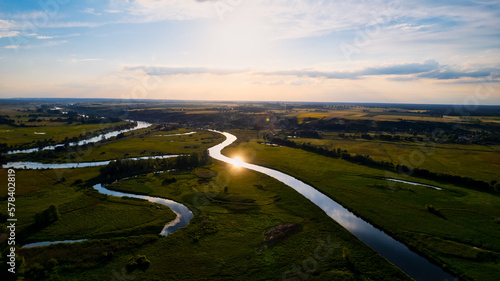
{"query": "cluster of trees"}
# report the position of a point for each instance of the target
(5, 120)
(126, 168)
(311, 134)
(47, 217)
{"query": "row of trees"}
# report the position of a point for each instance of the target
(457, 180)
(125, 168)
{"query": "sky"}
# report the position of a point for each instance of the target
(440, 52)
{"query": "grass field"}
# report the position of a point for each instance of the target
(225, 239)
(476, 161)
(381, 114)
(465, 235)
(58, 132)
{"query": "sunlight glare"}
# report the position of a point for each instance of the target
(238, 162)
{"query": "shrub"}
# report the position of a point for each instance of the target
(138, 262)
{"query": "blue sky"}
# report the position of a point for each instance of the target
(288, 50)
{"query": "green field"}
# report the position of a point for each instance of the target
(465, 235)
(381, 114)
(476, 161)
(58, 132)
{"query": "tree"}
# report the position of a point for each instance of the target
(47, 217)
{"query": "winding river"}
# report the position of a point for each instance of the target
(140, 125)
(37, 165)
(394, 251)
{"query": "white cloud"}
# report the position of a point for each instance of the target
(167, 70)
(91, 11)
(47, 44)
(44, 37)
(6, 24)
(4, 34)
(83, 60)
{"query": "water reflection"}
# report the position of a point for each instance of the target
(36, 165)
(46, 243)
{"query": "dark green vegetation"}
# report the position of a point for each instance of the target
(454, 226)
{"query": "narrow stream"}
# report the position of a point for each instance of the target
(184, 215)
(394, 251)
(37, 165)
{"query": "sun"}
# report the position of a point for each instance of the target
(237, 162)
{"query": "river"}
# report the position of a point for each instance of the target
(416, 266)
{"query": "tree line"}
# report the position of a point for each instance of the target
(125, 168)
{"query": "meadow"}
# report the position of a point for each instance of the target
(476, 161)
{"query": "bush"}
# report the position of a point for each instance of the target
(346, 254)
(138, 262)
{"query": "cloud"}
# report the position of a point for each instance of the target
(84, 60)
(429, 69)
(44, 37)
(47, 44)
(395, 69)
(447, 74)
(6, 24)
(4, 34)
(402, 69)
(160, 70)
(91, 11)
